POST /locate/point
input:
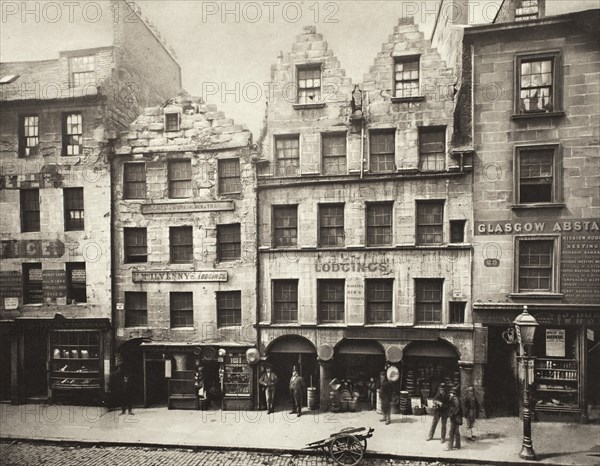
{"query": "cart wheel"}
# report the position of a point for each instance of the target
(346, 449)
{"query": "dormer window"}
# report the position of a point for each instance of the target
(309, 84)
(526, 10)
(171, 121)
(83, 70)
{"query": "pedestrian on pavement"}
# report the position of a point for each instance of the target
(471, 410)
(297, 389)
(455, 414)
(269, 380)
(385, 395)
(372, 393)
(441, 403)
(125, 392)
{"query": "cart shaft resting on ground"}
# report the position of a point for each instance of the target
(346, 447)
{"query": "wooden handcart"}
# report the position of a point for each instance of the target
(346, 447)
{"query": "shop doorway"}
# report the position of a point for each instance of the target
(156, 384)
(283, 355)
(427, 364)
(500, 383)
(132, 362)
(5, 367)
(35, 354)
(593, 373)
(355, 363)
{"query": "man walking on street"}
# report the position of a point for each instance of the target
(456, 419)
(269, 381)
(125, 392)
(297, 389)
(385, 395)
(441, 403)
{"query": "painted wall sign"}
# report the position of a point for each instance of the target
(176, 276)
(182, 207)
(14, 249)
(555, 342)
(10, 284)
(54, 283)
(353, 266)
(554, 317)
(540, 226)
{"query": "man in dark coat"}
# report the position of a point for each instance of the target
(125, 391)
(385, 395)
(269, 380)
(297, 389)
(455, 414)
(441, 403)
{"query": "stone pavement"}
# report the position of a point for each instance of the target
(498, 440)
(26, 454)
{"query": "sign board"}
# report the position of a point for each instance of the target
(590, 334)
(33, 248)
(11, 303)
(177, 276)
(183, 207)
(120, 306)
(555, 342)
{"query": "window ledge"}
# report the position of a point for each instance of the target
(528, 116)
(33, 305)
(542, 205)
(543, 295)
(284, 325)
(332, 325)
(416, 98)
(308, 106)
(137, 327)
(183, 328)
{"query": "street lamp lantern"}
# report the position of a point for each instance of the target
(526, 325)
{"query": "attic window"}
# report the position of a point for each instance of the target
(309, 84)
(9, 78)
(172, 121)
(83, 70)
(526, 10)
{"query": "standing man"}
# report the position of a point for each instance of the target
(297, 388)
(125, 390)
(441, 403)
(456, 419)
(385, 395)
(269, 381)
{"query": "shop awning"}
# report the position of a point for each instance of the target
(359, 347)
(431, 349)
(292, 345)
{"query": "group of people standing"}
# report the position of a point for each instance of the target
(268, 380)
(447, 405)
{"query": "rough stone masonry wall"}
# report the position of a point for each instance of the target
(497, 135)
(51, 172)
(205, 136)
(436, 80)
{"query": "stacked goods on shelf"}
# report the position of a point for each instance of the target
(405, 407)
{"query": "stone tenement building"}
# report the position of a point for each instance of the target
(532, 116)
(365, 220)
(57, 123)
(184, 252)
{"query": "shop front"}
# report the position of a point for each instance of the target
(564, 372)
(286, 353)
(197, 376)
(59, 360)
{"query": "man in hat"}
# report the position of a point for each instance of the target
(441, 403)
(297, 389)
(385, 395)
(269, 380)
(456, 419)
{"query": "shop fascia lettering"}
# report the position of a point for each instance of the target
(354, 266)
(537, 227)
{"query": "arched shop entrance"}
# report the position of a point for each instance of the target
(283, 354)
(356, 361)
(426, 364)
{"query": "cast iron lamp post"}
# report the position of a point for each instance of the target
(526, 324)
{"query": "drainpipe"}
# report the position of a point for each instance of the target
(362, 134)
(258, 281)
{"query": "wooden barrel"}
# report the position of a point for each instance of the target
(334, 403)
(311, 398)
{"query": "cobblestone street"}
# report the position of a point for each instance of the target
(29, 454)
